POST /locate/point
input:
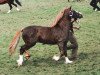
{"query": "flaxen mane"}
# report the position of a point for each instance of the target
(58, 17)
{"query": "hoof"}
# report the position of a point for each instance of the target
(56, 58)
(95, 10)
(68, 62)
(8, 11)
(20, 63)
(18, 9)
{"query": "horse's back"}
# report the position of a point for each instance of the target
(33, 32)
(36, 30)
(40, 34)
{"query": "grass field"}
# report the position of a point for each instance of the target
(42, 13)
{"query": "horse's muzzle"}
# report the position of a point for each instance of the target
(80, 16)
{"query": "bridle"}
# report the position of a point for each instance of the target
(73, 17)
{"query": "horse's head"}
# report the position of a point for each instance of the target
(72, 15)
(67, 14)
(75, 15)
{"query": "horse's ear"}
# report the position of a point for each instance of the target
(70, 7)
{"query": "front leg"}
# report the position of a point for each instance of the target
(63, 52)
(60, 45)
(73, 46)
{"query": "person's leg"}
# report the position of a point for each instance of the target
(96, 6)
(92, 4)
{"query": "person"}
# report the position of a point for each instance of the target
(94, 3)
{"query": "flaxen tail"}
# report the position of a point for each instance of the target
(19, 3)
(14, 42)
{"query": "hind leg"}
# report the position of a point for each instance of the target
(27, 54)
(22, 50)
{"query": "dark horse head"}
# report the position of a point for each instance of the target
(74, 15)
(58, 34)
(69, 14)
(10, 3)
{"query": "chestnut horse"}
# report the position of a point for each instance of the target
(10, 3)
(57, 34)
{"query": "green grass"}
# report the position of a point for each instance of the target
(43, 12)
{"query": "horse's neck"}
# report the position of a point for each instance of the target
(64, 23)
